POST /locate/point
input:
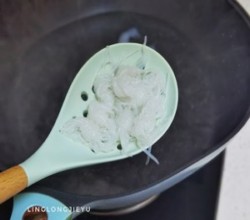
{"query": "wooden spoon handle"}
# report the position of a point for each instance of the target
(12, 181)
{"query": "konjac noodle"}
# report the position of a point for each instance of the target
(129, 103)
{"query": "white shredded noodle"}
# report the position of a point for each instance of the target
(129, 103)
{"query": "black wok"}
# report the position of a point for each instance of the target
(43, 46)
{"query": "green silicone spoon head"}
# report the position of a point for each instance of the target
(63, 153)
(81, 91)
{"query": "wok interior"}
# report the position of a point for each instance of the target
(212, 72)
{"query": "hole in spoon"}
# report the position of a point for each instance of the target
(85, 113)
(84, 96)
(93, 89)
(35, 212)
(119, 147)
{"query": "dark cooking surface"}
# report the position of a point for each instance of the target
(206, 43)
(193, 199)
(55, 60)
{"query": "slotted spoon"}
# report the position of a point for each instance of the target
(59, 153)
